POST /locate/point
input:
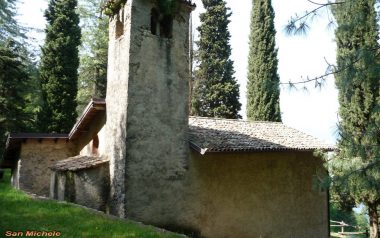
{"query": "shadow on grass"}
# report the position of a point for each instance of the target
(22, 213)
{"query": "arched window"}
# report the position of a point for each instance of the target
(166, 26)
(160, 24)
(119, 31)
(95, 145)
(154, 15)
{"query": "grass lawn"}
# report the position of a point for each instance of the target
(18, 212)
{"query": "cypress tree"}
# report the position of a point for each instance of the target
(59, 66)
(216, 93)
(357, 166)
(263, 91)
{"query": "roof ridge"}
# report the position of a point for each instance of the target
(236, 120)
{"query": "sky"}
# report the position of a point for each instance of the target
(313, 111)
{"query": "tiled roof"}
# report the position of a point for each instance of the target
(188, 2)
(79, 162)
(222, 135)
(94, 108)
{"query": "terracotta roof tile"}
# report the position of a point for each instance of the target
(222, 135)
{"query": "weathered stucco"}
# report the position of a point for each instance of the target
(147, 112)
(257, 194)
(268, 194)
(86, 137)
(32, 173)
(88, 187)
(86, 146)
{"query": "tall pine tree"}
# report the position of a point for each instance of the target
(19, 92)
(9, 28)
(216, 93)
(14, 79)
(59, 67)
(357, 166)
(263, 90)
(93, 53)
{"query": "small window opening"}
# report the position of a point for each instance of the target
(119, 31)
(161, 24)
(95, 145)
(154, 15)
(166, 26)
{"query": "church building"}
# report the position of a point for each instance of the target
(138, 155)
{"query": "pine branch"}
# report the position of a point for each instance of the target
(299, 24)
(330, 71)
(361, 169)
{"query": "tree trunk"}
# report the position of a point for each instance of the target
(373, 220)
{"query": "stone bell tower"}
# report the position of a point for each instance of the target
(147, 108)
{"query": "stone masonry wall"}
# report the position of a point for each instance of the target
(147, 114)
(32, 173)
(88, 187)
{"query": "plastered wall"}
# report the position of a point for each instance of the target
(257, 195)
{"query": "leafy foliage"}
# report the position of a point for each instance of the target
(93, 53)
(112, 7)
(216, 93)
(339, 214)
(357, 221)
(263, 91)
(59, 65)
(167, 7)
(357, 167)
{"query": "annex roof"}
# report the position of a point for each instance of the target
(14, 141)
(79, 162)
(82, 125)
(223, 135)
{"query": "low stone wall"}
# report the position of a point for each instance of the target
(82, 180)
(32, 173)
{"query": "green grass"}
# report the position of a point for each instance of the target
(18, 212)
